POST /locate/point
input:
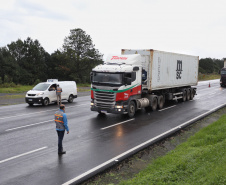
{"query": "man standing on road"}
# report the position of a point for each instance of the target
(58, 93)
(61, 125)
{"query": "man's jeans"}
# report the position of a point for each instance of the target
(60, 139)
(58, 99)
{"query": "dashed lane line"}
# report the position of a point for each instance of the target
(28, 125)
(118, 124)
(37, 112)
(17, 156)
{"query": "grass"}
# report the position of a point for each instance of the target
(203, 77)
(200, 160)
(15, 89)
(15, 96)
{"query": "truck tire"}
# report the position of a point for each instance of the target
(160, 102)
(184, 96)
(45, 102)
(70, 99)
(188, 94)
(192, 94)
(154, 104)
(131, 109)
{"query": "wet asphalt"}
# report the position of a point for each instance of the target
(29, 141)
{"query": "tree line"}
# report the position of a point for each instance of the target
(27, 63)
(209, 65)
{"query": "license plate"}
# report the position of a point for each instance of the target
(29, 99)
(103, 111)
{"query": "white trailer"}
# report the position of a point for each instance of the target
(167, 70)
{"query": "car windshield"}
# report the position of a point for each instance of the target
(41, 87)
(223, 72)
(107, 78)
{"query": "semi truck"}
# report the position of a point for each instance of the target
(144, 78)
(223, 75)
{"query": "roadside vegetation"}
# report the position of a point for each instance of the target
(199, 160)
(204, 77)
(13, 88)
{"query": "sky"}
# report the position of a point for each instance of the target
(194, 27)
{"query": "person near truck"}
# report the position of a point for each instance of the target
(61, 126)
(58, 93)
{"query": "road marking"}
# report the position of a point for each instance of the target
(167, 108)
(137, 147)
(118, 124)
(28, 125)
(38, 112)
(11, 158)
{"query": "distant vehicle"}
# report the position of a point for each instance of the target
(223, 77)
(45, 93)
(142, 79)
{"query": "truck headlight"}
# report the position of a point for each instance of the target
(119, 106)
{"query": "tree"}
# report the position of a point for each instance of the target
(8, 66)
(80, 55)
(31, 57)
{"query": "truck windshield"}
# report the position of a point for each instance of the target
(107, 78)
(223, 72)
(41, 87)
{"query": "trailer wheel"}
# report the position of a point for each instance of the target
(192, 94)
(154, 104)
(184, 96)
(160, 102)
(188, 94)
(131, 109)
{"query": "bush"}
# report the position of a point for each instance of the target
(7, 85)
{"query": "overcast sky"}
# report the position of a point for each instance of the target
(194, 27)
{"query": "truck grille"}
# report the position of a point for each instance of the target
(104, 99)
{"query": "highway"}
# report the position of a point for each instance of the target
(28, 150)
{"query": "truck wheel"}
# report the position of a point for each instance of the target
(45, 102)
(154, 104)
(184, 96)
(131, 109)
(160, 102)
(70, 99)
(188, 94)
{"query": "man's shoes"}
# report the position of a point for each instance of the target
(61, 153)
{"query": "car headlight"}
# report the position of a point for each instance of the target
(92, 104)
(39, 94)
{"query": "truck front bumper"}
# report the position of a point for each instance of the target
(34, 100)
(113, 110)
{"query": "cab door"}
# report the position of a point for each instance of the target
(52, 93)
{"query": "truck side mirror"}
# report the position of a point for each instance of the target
(91, 76)
(128, 81)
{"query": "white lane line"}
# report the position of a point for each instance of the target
(135, 148)
(118, 124)
(28, 125)
(38, 112)
(167, 108)
(11, 158)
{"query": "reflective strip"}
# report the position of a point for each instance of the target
(59, 121)
(58, 115)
